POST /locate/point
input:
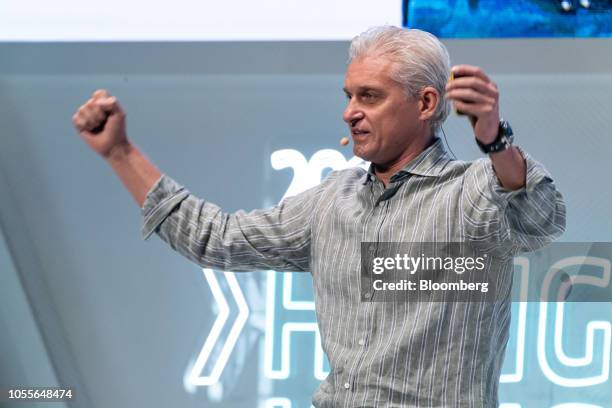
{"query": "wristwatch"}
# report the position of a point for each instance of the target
(502, 142)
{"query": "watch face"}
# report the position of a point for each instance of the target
(505, 128)
(502, 142)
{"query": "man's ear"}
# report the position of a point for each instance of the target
(429, 98)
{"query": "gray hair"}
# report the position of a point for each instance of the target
(419, 58)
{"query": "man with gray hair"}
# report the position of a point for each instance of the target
(381, 354)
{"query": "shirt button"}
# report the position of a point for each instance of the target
(371, 247)
(361, 342)
(367, 295)
(347, 385)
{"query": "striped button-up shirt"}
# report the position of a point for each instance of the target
(382, 354)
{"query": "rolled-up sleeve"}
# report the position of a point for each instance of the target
(163, 197)
(509, 222)
(275, 238)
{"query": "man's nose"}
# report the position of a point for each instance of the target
(352, 113)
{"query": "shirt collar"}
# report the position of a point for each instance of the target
(429, 163)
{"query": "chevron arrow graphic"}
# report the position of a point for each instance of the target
(197, 376)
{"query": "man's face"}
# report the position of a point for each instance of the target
(382, 119)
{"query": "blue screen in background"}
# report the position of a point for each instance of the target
(506, 19)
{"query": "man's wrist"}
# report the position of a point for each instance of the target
(502, 141)
(119, 152)
(489, 138)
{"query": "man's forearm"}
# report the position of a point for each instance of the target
(510, 168)
(137, 173)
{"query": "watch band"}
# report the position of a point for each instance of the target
(503, 141)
